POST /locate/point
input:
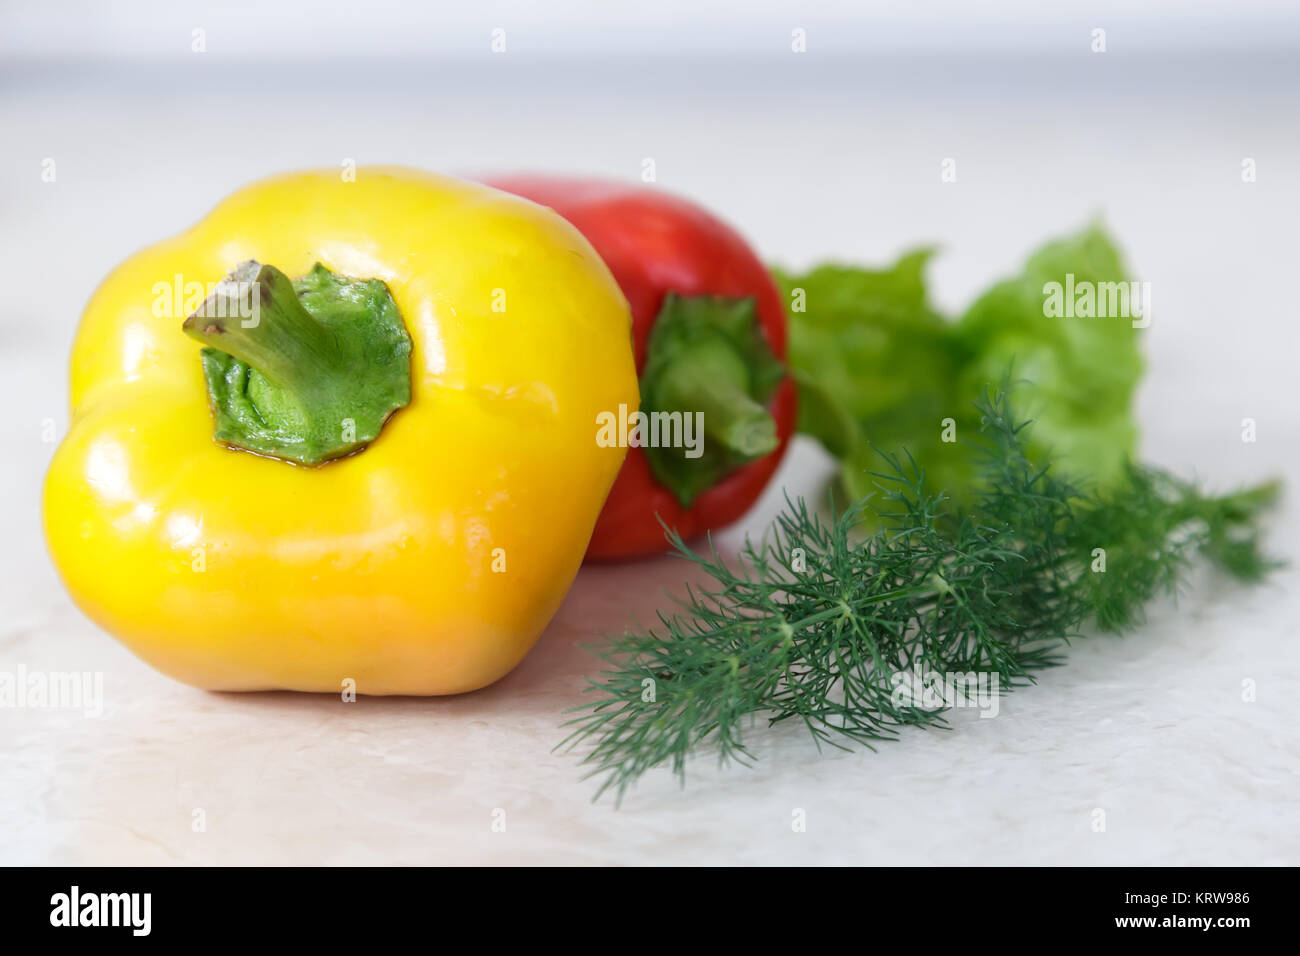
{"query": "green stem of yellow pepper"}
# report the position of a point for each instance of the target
(305, 370)
(254, 315)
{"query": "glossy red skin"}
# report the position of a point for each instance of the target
(655, 243)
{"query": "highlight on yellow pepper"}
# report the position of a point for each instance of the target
(340, 434)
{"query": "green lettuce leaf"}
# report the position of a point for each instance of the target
(869, 350)
(878, 367)
(1075, 376)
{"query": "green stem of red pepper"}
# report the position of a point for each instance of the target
(712, 379)
(708, 355)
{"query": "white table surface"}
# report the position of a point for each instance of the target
(810, 160)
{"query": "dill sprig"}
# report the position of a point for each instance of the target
(814, 621)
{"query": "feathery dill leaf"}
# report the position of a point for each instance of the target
(812, 622)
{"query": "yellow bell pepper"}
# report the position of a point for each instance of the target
(431, 557)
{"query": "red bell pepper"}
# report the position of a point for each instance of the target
(709, 331)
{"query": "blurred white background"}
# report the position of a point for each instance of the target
(564, 28)
(834, 152)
